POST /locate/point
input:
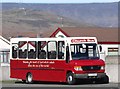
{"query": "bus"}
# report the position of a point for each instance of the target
(56, 60)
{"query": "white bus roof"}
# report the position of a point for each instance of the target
(71, 40)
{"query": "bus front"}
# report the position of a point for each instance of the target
(85, 60)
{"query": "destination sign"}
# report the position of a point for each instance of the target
(82, 40)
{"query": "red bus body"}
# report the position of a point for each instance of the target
(56, 70)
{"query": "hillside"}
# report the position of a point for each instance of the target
(30, 19)
(22, 22)
(99, 14)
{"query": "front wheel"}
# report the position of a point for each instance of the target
(29, 78)
(105, 79)
(70, 79)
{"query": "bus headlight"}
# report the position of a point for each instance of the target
(102, 67)
(78, 68)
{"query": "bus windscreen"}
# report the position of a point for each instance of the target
(84, 51)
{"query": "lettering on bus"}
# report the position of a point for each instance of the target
(82, 40)
(38, 63)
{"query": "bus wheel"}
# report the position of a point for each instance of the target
(29, 78)
(105, 79)
(70, 79)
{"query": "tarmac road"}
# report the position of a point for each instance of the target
(46, 85)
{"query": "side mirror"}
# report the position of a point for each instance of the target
(100, 47)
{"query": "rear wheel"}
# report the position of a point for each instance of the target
(70, 79)
(29, 78)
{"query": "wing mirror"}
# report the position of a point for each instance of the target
(100, 47)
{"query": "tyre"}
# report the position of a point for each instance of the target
(29, 78)
(104, 80)
(70, 79)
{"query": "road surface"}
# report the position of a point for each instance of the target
(46, 85)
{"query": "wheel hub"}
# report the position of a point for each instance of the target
(29, 78)
(70, 78)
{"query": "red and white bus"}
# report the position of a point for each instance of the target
(56, 59)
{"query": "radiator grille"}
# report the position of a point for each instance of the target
(85, 68)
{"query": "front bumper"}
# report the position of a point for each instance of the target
(89, 75)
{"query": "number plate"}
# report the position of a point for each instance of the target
(93, 74)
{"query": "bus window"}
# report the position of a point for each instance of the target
(52, 49)
(22, 49)
(61, 49)
(32, 50)
(42, 49)
(89, 51)
(93, 51)
(14, 50)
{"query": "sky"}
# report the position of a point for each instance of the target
(59, 1)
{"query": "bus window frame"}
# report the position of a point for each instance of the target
(56, 43)
(24, 50)
(11, 51)
(28, 50)
(44, 42)
(16, 41)
(58, 50)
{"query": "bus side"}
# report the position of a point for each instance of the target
(45, 60)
